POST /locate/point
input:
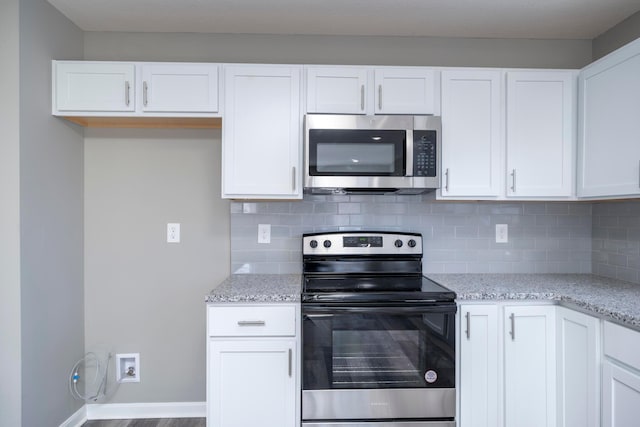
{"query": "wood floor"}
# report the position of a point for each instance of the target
(155, 422)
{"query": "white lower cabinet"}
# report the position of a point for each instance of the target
(253, 365)
(578, 361)
(620, 377)
(507, 365)
(529, 366)
(479, 366)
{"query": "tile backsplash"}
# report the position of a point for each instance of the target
(459, 237)
(616, 240)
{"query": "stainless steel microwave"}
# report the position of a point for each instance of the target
(371, 154)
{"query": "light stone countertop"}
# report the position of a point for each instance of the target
(607, 298)
(266, 288)
(602, 297)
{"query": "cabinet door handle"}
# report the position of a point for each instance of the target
(468, 332)
(290, 362)
(251, 323)
(127, 86)
(446, 180)
(513, 182)
(513, 327)
(362, 97)
(380, 97)
(145, 88)
(293, 179)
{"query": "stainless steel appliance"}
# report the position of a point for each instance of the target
(371, 154)
(378, 337)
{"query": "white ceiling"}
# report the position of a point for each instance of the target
(540, 19)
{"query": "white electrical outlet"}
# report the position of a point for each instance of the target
(502, 233)
(173, 232)
(264, 233)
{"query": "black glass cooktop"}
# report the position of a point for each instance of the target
(374, 288)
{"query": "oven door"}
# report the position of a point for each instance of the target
(378, 362)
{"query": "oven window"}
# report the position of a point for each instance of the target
(366, 358)
(354, 351)
(356, 152)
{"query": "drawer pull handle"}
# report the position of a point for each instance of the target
(251, 323)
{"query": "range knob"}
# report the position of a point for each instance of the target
(411, 243)
(327, 243)
(313, 244)
(398, 243)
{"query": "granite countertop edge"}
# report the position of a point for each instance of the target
(609, 299)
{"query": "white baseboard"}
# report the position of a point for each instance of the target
(77, 419)
(119, 411)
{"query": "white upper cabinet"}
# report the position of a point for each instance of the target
(179, 87)
(337, 90)
(404, 91)
(262, 132)
(540, 119)
(128, 89)
(93, 87)
(366, 90)
(508, 134)
(609, 126)
(472, 140)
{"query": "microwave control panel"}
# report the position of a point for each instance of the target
(424, 153)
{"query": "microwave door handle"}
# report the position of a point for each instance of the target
(409, 149)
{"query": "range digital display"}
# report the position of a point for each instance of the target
(362, 241)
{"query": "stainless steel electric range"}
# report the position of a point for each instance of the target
(378, 337)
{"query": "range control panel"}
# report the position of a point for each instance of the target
(362, 243)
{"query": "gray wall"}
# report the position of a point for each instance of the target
(459, 237)
(51, 221)
(142, 294)
(431, 51)
(623, 33)
(10, 354)
(616, 240)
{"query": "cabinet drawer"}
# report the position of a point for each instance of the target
(251, 321)
(622, 344)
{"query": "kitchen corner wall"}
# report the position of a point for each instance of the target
(616, 240)
(459, 237)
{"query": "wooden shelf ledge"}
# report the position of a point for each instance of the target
(147, 122)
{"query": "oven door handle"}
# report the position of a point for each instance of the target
(315, 311)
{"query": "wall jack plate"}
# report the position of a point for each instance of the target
(128, 368)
